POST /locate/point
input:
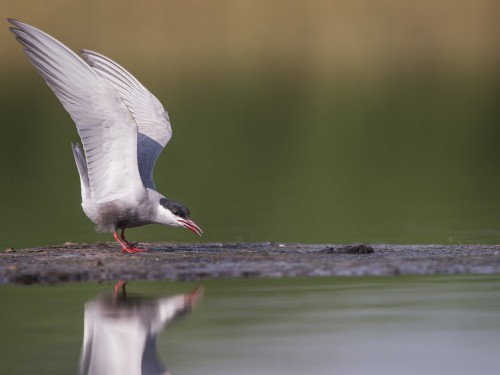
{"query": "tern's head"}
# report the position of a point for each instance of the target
(177, 215)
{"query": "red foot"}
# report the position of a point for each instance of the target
(133, 250)
(127, 247)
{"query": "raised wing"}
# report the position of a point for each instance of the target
(151, 118)
(106, 127)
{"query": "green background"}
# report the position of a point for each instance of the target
(294, 121)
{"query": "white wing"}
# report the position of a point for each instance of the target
(151, 118)
(106, 127)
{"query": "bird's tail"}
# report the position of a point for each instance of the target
(81, 164)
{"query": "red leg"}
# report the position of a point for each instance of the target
(127, 247)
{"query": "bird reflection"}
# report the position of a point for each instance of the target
(120, 332)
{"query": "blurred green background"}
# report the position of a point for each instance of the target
(298, 121)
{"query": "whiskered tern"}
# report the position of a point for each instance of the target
(123, 129)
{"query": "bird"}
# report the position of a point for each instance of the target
(120, 332)
(123, 128)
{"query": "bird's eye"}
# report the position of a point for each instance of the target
(176, 213)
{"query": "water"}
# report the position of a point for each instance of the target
(410, 325)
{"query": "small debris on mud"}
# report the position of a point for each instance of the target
(349, 249)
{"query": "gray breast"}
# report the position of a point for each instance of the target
(122, 214)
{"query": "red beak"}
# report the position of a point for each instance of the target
(191, 225)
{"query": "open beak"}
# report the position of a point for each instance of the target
(191, 225)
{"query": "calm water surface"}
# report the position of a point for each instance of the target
(403, 325)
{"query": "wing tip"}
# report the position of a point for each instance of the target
(18, 25)
(13, 21)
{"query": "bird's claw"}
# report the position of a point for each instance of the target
(132, 249)
(127, 247)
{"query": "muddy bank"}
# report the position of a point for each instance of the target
(104, 261)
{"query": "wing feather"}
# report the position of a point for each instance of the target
(105, 125)
(152, 119)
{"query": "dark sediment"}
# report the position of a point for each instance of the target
(104, 261)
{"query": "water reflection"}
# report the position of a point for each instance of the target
(120, 331)
(411, 325)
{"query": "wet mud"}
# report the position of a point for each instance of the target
(105, 262)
